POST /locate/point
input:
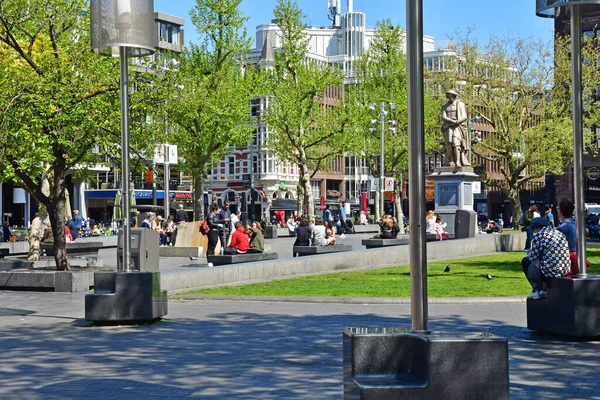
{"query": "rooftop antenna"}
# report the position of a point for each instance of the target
(334, 12)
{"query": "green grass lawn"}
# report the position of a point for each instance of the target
(465, 279)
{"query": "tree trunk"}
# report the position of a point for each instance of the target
(515, 205)
(310, 200)
(377, 210)
(38, 227)
(300, 195)
(398, 201)
(56, 212)
(198, 198)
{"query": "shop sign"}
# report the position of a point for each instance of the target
(282, 186)
(183, 196)
(333, 193)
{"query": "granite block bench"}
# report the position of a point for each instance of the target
(375, 243)
(370, 228)
(76, 247)
(313, 250)
(224, 259)
(572, 307)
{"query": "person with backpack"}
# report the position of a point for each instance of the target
(215, 223)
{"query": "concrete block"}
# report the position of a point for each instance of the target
(66, 281)
(240, 258)
(170, 251)
(312, 250)
(375, 243)
(392, 363)
(137, 297)
(27, 280)
(572, 308)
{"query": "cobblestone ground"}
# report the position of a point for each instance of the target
(249, 350)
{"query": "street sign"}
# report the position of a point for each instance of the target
(375, 185)
(476, 187)
(389, 185)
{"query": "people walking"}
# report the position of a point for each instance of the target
(343, 218)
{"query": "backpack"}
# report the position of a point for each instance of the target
(203, 227)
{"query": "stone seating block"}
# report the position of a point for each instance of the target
(375, 243)
(572, 308)
(225, 259)
(126, 297)
(76, 247)
(392, 363)
(312, 250)
(370, 228)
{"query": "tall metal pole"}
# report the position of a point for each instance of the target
(416, 162)
(578, 138)
(167, 179)
(125, 265)
(381, 159)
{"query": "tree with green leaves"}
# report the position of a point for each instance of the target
(306, 127)
(208, 97)
(381, 78)
(520, 91)
(58, 100)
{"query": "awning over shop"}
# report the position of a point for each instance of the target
(284, 204)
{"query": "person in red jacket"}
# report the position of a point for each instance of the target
(240, 241)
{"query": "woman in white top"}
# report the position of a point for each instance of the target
(430, 222)
(363, 218)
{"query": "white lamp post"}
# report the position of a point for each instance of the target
(124, 28)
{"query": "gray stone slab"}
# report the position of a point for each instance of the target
(9, 264)
(375, 243)
(240, 258)
(171, 251)
(389, 363)
(78, 247)
(312, 250)
(67, 281)
(572, 308)
(126, 297)
(370, 228)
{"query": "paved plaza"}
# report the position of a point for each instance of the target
(228, 349)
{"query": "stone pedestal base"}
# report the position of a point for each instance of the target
(390, 363)
(454, 191)
(126, 297)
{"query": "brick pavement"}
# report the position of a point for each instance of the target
(218, 349)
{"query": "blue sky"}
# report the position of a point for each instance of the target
(440, 17)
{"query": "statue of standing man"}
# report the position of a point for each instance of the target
(455, 130)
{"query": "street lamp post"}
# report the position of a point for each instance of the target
(382, 114)
(123, 28)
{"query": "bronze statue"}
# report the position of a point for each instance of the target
(455, 130)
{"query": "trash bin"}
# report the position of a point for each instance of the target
(144, 250)
(465, 224)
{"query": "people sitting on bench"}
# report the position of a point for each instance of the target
(318, 235)
(567, 227)
(389, 228)
(303, 233)
(547, 258)
(240, 242)
(329, 232)
(439, 226)
(257, 237)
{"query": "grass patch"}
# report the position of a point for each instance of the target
(465, 279)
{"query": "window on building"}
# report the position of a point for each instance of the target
(315, 188)
(231, 165)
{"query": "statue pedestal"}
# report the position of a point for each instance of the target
(454, 199)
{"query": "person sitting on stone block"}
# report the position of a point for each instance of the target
(547, 258)
(318, 233)
(257, 238)
(240, 242)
